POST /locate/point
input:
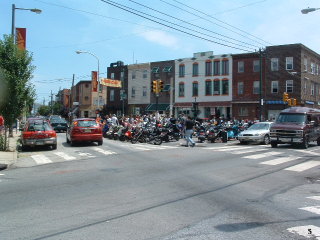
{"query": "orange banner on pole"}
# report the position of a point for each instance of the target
(111, 82)
(21, 38)
(94, 81)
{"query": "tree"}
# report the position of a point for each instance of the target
(16, 72)
(44, 110)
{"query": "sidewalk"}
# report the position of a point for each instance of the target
(10, 157)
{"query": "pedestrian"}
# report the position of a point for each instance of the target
(189, 125)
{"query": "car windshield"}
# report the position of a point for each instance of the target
(85, 123)
(39, 126)
(292, 118)
(260, 126)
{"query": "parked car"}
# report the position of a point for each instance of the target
(38, 132)
(258, 133)
(54, 117)
(59, 125)
(84, 130)
(296, 126)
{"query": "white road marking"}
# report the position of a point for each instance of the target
(230, 148)
(105, 152)
(83, 154)
(65, 156)
(308, 152)
(280, 160)
(303, 166)
(1, 174)
(41, 159)
(315, 198)
(309, 231)
(262, 155)
(313, 209)
(247, 151)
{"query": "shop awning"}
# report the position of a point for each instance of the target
(275, 102)
(161, 107)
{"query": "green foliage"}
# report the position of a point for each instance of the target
(15, 73)
(2, 143)
(44, 110)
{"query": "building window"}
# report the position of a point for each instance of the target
(289, 63)
(256, 87)
(225, 67)
(112, 76)
(133, 75)
(121, 75)
(181, 89)
(145, 74)
(86, 85)
(305, 64)
(133, 92)
(216, 68)
(208, 89)
(144, 91)
(274, 87)
(313, 68)
(256, 66)
(274, 64)
(317, 70)
(240, 67)
(167, 69)
(181, 70)
(208, 68)
(112, 95)
(155, 70)
(225, 87)
(312, 89)
(243, 111)
(289, 86)
(195, 69)
(86, 98)
(216, 87)
(195, 89)
(240, 88)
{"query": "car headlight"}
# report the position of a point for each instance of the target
(258, 134)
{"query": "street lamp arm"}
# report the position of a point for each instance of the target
(307, 10)
(35, 10)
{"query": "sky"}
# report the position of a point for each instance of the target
(179, 29)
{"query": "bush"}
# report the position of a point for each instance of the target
(2, 143)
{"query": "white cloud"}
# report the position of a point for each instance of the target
(162, 38)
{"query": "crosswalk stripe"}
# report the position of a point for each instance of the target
(303, 166)
(280, 160)
(41, 159)
(262, 155)
(1, 174)
(83, 154)
(314, 198)
(247, 151)
(308, 152)
(309, 231)
(64, 156)
(105, 152)
(313, 209)
(229, 148)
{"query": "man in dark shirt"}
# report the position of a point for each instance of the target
(189, 131)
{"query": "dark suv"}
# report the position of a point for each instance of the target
(59, 124)
(297, 126)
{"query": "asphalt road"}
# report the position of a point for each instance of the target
(126, 191)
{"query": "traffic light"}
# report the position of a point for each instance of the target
(294, 102)
(289, 102)
(155, 87)
(161, 85)
(285, 97)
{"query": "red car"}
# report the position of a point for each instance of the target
(38, 132)
(84, 130)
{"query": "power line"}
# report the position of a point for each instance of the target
(216, 20)
(193, 24)
(133, 11)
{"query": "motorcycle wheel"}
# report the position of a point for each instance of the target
(134, 140)
(157, 141)
(122, 138)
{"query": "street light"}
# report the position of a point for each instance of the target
(79, 52)
(307, 10)
(35, 10)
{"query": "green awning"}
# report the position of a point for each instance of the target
(161, 107)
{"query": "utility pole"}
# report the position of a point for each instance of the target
(261, 93)
(70, 99)
(171, 96)
(51, 104)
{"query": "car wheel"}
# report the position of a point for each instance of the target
(266, 139)
(72, 143)
(274, 144)
(100, 143)
(24, 148)
(243, 142)
(54, 146)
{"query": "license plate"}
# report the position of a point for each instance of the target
(87, 130)
(39, 143)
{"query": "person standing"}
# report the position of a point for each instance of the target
(189, 125)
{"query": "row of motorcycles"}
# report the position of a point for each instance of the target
(146, 133)
(217, 133)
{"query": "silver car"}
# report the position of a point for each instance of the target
(257, 133)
